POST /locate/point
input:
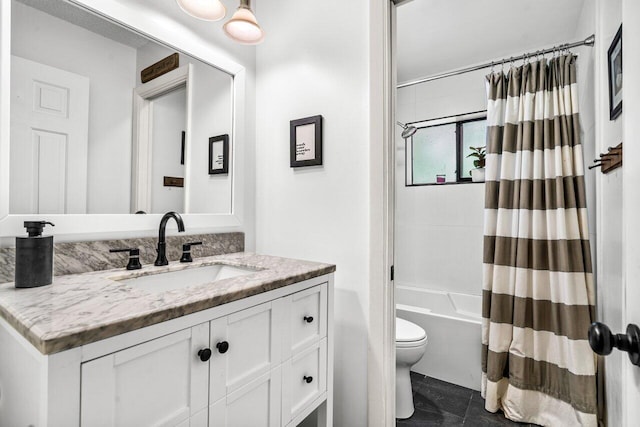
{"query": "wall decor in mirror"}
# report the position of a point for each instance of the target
(88, 137)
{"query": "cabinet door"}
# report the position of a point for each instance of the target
(158, 383)
(246, 345)
(256, 404)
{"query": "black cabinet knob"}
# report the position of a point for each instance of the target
(204, 354)
(602, 341)
(222, 347)
(307, 379)
(308, 319)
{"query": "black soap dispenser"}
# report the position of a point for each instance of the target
(34, 257)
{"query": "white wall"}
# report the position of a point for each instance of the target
(439, 228)
(314, 61)
(110, 66)
(211, 108)
(169, 121)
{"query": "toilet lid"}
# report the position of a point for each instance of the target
(407, 331)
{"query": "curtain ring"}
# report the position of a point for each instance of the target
(491, 67)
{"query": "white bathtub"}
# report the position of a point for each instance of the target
(453, 326)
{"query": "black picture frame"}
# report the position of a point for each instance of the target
(218, 165)
(614, 62)
(302, 151)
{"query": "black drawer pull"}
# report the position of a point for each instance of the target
(308, 319)
(307, 379)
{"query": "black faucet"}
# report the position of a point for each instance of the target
(162, 244)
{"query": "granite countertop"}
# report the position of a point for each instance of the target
(79, 309)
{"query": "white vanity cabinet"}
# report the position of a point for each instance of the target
(264, 360)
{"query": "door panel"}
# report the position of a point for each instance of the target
(49, 139)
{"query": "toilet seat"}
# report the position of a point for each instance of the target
(409, 334)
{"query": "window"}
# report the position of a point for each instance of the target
(437, 152)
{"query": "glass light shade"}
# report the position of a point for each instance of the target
(243, 27)
(207, 10)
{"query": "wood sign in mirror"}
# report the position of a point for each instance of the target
(72, 146)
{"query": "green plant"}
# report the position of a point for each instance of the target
(480, 154)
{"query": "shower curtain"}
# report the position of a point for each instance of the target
(538, 291)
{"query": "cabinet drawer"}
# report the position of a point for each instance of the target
(307, 318)
(304, 379)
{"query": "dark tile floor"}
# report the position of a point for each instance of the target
(439, 403)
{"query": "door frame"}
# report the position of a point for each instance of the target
(142, 145)
(381, 352)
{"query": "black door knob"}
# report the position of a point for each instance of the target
(222, 347)
(307, 379)
(308, 319)
(204, 354)
(602, 341)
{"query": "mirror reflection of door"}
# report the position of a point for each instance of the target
(169, 121)
(49, 134)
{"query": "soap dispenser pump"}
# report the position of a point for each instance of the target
(34, 256)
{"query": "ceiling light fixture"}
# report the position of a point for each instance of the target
(207, 10)
(243, 26)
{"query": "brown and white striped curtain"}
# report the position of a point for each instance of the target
(538, 291)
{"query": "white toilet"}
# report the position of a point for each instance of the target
(411, 343)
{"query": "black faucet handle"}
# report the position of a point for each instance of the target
(186, 251)
(134, 257)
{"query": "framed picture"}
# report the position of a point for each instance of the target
(615, 76)
(306, 141)
(219, 154)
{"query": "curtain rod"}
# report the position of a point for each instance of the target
(589, 41)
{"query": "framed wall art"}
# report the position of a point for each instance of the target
(306, 142)
(219, 154)
(615, 76)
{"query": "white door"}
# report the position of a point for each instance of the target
(631, 194)
(246, 345)
(161, 382)
(49, 139)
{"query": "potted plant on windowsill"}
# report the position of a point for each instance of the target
(480, 153)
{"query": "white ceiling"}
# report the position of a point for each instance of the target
(434, 36)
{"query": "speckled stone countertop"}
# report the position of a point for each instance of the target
(83, 308)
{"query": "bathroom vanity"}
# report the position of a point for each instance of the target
(229, 340)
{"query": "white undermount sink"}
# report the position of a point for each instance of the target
(162, 282)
